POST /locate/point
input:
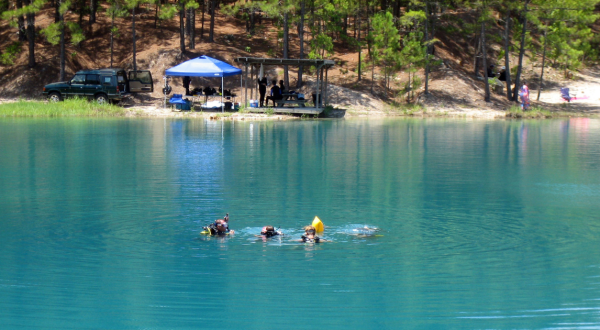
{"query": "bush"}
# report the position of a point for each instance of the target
(10, 54)
(69, 108)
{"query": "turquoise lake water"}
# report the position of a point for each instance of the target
(484, 224)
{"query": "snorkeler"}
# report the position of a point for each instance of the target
(310, 236)
(269, 231)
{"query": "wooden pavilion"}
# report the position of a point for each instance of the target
(254, 63)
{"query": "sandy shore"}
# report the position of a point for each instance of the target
(356, 104)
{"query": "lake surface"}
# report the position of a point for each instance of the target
(484, 224)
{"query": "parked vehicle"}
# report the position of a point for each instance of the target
(103, 85)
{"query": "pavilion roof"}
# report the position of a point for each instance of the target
(285, 61)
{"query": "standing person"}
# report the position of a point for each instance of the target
(275, 93)
(262, 89)
(186, 84)
(524, 94)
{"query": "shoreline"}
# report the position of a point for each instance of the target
(488, 112)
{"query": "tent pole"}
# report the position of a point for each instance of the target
(326, 97)
(222, 92)
(246, 84)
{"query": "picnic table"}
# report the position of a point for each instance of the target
(290, 98)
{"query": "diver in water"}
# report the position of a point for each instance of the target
(269, 231)
(310, 236)
(219, 227)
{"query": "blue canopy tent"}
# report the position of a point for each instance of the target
(204, 66)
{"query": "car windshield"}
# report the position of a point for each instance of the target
(78, 79)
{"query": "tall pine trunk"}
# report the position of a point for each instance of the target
(202, 19)
(358, 44)
(506, 55)
(543, 63)
(31, 36)
(301, 38)
(21, 22)
(427, 49)
(211, 32)
(484, 54)
(56, 9)
(521, 52)
(62, 44)
(286, 30)
(112, 35)
(133, 37)
(93, 9)
(181, 27)
(192, 20)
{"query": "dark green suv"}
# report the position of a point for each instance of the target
(103, 85)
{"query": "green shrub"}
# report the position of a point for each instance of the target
(69, 108)
(10, 54)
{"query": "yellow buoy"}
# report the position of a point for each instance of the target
(318, 224)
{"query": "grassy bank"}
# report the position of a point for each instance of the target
(536, 112)
(67, 108)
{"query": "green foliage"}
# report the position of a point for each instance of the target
(10, 54)
(320, 44)
(167, 11)
(52, 33)
(248, 49)
(68, 108)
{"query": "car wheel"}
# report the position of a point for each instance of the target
(101, 98)
(54, 97)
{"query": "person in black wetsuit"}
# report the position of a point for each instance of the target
(269, 231)
(262, 90)
(219, 227)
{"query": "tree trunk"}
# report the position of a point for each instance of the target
(62, 45)
(31, 36)
(133, 37)
(93, 8)
(543, 63)
(56, 9)
(484, 57)
(301, 38)
(427, 49)
(211, 32)
(192, 28)
(476, 58)
(506, 55)
(156, 14)
(188, 23)
(202, 19)
(21, 22)
(181, 27)
(521, 53)
(81, 10)
(358, 44)
(286, 30)
(112, 26)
